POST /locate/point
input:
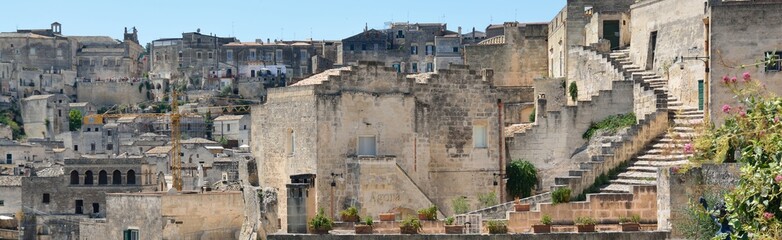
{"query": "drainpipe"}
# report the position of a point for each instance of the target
(500, 129)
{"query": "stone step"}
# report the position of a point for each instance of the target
(638, 175)
(643, 169)
(635, 181)
(661, 163)
(672, 157)
(688, 122)
(617, 188)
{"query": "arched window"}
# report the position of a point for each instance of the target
(74, 177)
(116, 177)
(88, 178)
(131, 177)
(103, 178)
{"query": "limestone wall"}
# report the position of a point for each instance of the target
(516, 62)
(105, 94)
(741, 33)
(680, 32)
(551, 236)
(604, 208)
(680, 189)
(591, 72)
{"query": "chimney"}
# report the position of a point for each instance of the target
(366, 27)
(473, 33)
(460, 30)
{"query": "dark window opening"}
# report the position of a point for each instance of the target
(88, 178)
(116, 177)
(131, 177)
(95, 207)
(74, 177)
(103, 177)
(46, 198)
(79, 206)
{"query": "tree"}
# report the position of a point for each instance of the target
(74, 120)
(573, 91)
(522, 177)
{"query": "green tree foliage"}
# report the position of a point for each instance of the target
(611, 124)
(74, 120)
(573, 90)
(522, 177)
(561, 195)
(7, 118)
(488, 199)
(460, 205)
(751, 135)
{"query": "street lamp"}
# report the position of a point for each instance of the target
(333, 185)
(681, 59)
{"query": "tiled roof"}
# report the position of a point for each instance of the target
(21, 35)
(160, 150)
(493, 41)
(10, 181)
(53, 171)
(229, 117)
(197, 141)
(320, 77)
(38, 97)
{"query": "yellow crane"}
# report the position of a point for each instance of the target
(175, 117)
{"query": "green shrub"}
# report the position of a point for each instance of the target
(352, 211)
(497, 226)
(449, 221)
(488, 199)
(573, 90)
(546, 220)
(561, 195)
(632, 219)
(321, 222)
(368, 220)
(532, 115)
(696, 222)
(411, 222)
(585, 221)
(460, 205)
(522, 178)
(430, 212)
(610, 124)
(74, 120)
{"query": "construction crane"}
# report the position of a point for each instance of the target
(175, 117)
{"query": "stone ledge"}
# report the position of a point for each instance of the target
(552, 236)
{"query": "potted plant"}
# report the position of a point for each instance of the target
(388, 217)
(585, 224)
(545, 225)
(366, 227)
(429, 213)
(320, 224)
(410, 226)
(453, 229)
(497, 227)
(519, 207)
(630, 224)
(349, 215)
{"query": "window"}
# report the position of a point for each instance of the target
(88, 178)
(116, 177)
(228, 126)
(414, 67)
(46, 198)
(108, 133)
(456, 49)
(400, 34)
(773, 61)
(429, 50)
(131, 177)
(397, 67)
(291, 142)
(95, 207)
(479, 136)
(74, 177)
(304, 56)
(363, 47)
(59, 52)
(352, 47)
(244, 127)
(2, 203)
(32, 52)
(180, 54)
(92, 146)
(303, 71)
(130, 234)
(413, 50)
(117, 62)
(103, 177)
(79, 206)
(229, 55)
(252, 55)
(198, 55)
(367, 146)
(278, 53)
(9, 158)
(210, 55)
(429, 67)
(105, 62)
(109, 146)
(76, 148)
(59, 112)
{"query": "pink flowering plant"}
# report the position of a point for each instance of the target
(752, 136)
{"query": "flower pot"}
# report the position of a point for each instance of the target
(423, 216)
(363, 229)
(586, 228)
(521, 207)
(408, 230)
(318, 231)
(498, 230)
(630, 227)
(388, 217)
(347, 218)
(454, 229)
(541, 228)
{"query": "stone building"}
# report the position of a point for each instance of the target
(42, 49)
(232, 127)
(584, 22)
(409, 48)
(517, 57)
(208, 215)
(10, 195)
(194, 55)
(250, 59)
(45, 116)
(103, 58)
(85, 108)
(382, 141)
(55, 203)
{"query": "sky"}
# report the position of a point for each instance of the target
(261, 19)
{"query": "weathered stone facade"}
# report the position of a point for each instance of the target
(415, 132)
(45, 116)
(517, 60)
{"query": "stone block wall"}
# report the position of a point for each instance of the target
(591, 72)
(604, 208)
(106, 94)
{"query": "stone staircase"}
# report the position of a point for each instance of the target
(667, 149)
